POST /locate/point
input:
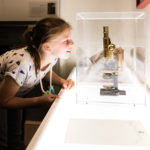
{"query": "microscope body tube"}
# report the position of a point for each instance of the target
(106, 41)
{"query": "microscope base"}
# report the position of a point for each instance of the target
(112, 92)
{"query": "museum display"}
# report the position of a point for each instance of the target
(110, 58)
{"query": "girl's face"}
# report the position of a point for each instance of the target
(61, 46)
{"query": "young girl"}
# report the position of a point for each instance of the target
(22, 69)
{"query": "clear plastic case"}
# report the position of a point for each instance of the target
(110, 58)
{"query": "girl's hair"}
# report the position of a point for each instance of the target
(45, 30)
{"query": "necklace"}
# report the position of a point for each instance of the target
(51, 88)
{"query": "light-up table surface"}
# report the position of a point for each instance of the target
(72, 126)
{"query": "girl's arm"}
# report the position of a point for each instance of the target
(57, 80)
(8, 90)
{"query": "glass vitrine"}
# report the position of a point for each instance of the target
(110, 58)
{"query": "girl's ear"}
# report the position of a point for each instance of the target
(46, 47)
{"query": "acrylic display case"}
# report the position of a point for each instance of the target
(110, 58)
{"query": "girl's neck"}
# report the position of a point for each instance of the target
(46, 60)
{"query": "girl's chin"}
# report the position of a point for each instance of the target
(66, 56)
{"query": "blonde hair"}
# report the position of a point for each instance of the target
(45, 30)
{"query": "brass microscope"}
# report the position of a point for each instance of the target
(112, 66)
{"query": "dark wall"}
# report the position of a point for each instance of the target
(11, 33)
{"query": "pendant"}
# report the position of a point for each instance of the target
(51, 88)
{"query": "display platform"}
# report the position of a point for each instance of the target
(69, 125)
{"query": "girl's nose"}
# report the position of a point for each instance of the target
(71, 42)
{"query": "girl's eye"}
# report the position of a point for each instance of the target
(67, 41)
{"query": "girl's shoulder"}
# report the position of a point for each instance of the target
(14, 53)
(21, 54)
(19, 57)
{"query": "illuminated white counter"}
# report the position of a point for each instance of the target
(72, 126)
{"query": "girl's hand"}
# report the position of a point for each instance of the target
(50, 97)
(67, 84)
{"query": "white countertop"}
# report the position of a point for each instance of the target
(69, 125)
